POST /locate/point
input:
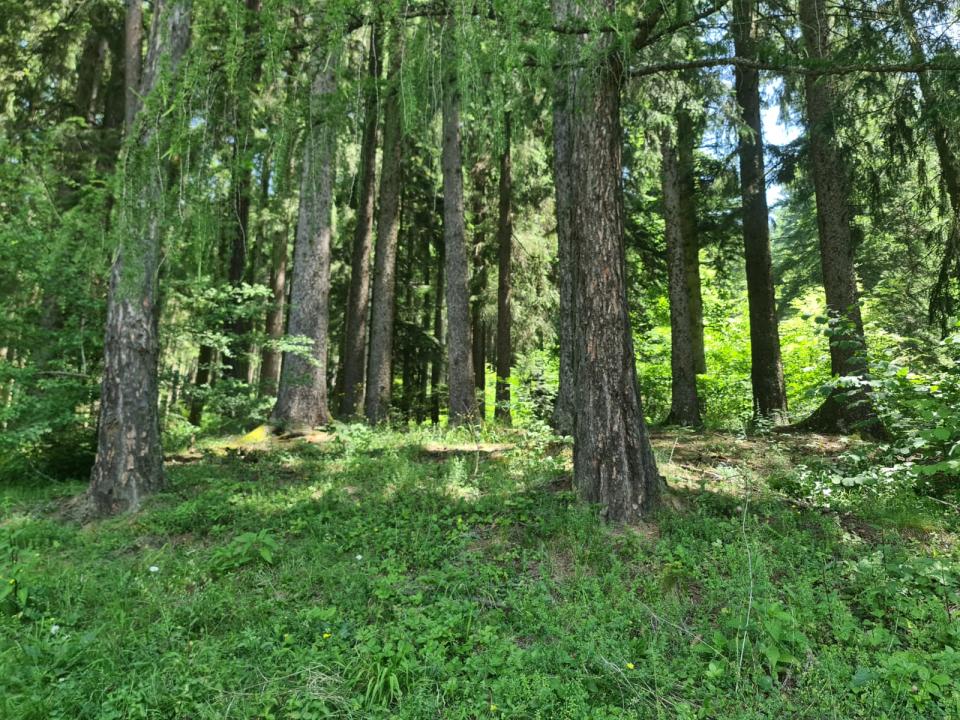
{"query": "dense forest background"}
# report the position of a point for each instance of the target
(480, 358)
(865, 95)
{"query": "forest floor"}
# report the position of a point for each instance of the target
(361, 574)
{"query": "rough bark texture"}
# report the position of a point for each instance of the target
(613, 461)
(129, 462)
(302, 399)
(685, 404)
(766, 374)
(563, 412)
(479, 285)
(843, 410)
(270, 358)
(504, 252)
(379, 368)
(358, 299)
(436, 363)
(686, 145)
(133, 60)
(460, 377)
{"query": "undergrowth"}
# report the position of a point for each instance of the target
(387, 575)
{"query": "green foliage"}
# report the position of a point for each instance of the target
(369, 578)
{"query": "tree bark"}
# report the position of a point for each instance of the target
(436, 364)
(302, 399)
(613, 461)
(358, 300)
(766, 373)
(686, 146)
(380, 369)
(133, 61)
(843, 410)
(942, 301)
(237, 361)
(563, 411)
(504, 252)
(685, 403)
(129, 461)
(460, 371)
(479, 286)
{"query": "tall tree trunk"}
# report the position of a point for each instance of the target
(685, 403)
(479, 286)
(504, 252)
(613, 460)
(133, 61)
(302, 399)
(686, 146)
(942, 302)
(129, 462)
(766, 369)
(237, 361)
(843, 410)
(358, 300)
(563, 412)
(460, 371)
(436, 364)
(379, 368)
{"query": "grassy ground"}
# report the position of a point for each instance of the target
(376, 575)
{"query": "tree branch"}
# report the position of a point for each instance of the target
(799, 69)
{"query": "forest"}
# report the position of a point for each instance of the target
(480, 359)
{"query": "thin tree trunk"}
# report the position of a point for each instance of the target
(686, 145)
(613, 461)
(479, 286)
(843, 410)
(237, 361)
(685, 403)
(504, 251)
(129, 462)
(563, 412)
(766, 373)
(302, 399)
(133, 61)
(942, 302)
(379, 367)
(436, 365)
(460, 371)
(354, 366)
(202, 382)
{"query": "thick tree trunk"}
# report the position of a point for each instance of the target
(844, 410)
(613, 460)
(379, 368)
(504, 252)
(460, 371)
(129, 462)
(354, 363)
(766, 374)
(685, 403)
(563, 411)
(302, 399)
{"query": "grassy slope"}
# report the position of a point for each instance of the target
(366, 578)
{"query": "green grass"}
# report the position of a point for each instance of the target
(366, 578)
